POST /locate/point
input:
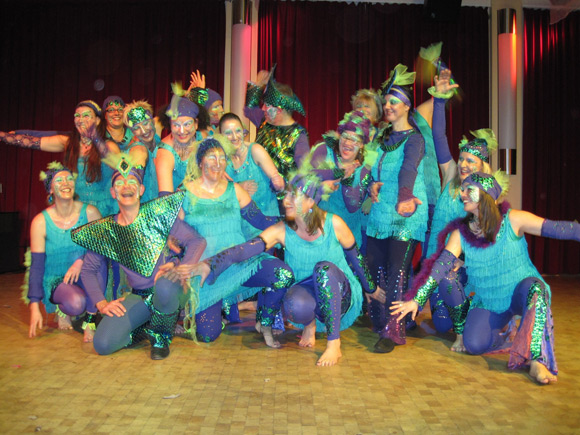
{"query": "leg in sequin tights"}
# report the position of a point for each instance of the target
(449, 304)
(390, 262)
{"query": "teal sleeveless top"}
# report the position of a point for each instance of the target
(302, 256)
(219, 221)
(494, 272)
(265, 198)
(61, 253)
(447, 209)
(97, 193)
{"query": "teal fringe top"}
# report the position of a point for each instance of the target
(447, 209)
(430, 165)
(495, 271)
(265, 198)
(219, 221)
(97, 193)
(302, 256)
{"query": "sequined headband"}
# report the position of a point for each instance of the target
(310, 185)
(485, 182)
(91, 105)
(356, 122)
(125, 168)
(52, 169)
(477, 147)
(138, 115)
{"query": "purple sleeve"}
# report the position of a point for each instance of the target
(190, 239)
(318, 157)
(40, 133)
(255, 115)
(414, 152)
(36, 276)
(92, 267)
(301, 149)
(439, 136)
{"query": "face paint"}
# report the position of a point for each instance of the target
(472, 193)
(393, 101)
(130, 182)
(271, 112)
(87, 114)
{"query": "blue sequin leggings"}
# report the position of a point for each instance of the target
(325, 295)
(274, 276)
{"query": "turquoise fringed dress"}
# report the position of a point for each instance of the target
(495, 271)
(219, 221)
(61, 253)
(302, 256)
(97, 193)
(384, 221)
(265, 198)
(430, 165)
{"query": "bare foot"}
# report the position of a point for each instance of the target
(266, 331)
(308, 335)
(331, 354)
(541, 374)
(88, 334)
(64, 323)
(458, 345)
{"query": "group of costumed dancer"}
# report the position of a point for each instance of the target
(204, 218)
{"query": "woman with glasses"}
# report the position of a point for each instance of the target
(113, 108)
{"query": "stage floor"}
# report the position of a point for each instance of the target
(55, 383)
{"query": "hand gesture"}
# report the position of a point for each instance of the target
(350, 168)
(164, 270)
(374, 190)
(407, 208)
(379, 295)
(72, 274)
(278, 182)
(113, 308)
(201, 269)
(35, 319)
(262, 78)
(403, 308)
(249, 186)
(197, 81)
(443, 82)
(331, 185)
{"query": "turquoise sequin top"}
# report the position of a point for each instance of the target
(97, 193)
(495, 271)
(384, 221)
(302, 256)
(219, 221)
(447, 209)
(265, 198)
(61, 253)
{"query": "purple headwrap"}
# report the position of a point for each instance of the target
(91, 105)
(182, 107)
(357, 122)
(309, 184)
(213, 96)
(485, 182)
(113, 99)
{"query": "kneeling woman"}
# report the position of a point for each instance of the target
(319, 249)
(55, 260)
(216, 208)
(501, 273)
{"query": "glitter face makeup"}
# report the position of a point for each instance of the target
(468, 164)
(183, 129)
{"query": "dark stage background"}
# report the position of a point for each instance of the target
(55, 54)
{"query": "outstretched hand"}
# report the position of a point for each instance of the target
(443, 82)
(187, 271)
(404, 308)
(262, 78)
(197, 81)
(407, 208)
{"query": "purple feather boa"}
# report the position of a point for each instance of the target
(472, 239)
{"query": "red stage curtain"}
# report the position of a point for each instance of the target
(326, 51)
(551, 149)
(57, 53)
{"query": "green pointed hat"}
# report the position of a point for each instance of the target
(273, 97)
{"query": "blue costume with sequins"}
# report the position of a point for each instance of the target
(392, 238)
(337, 306)
(265, 198)
(219, 221)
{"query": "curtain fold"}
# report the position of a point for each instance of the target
(551, 148)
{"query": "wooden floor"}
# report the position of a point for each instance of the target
(57, 384)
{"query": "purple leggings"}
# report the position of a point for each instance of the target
(325, 295)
